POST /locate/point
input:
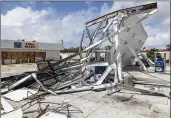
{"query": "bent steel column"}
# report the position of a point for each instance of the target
(118, 53)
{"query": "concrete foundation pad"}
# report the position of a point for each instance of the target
(163, 109)
(109, 112)
(99, 105)
(60, 98)
(86, 106)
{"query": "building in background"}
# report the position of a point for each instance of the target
(13, 51)
(162, 50)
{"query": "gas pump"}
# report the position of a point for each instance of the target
(160, 62)
(99, 70)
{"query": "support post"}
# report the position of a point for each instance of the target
(142, 64)
(80, 48)
(118, 55)
(149, 60)
(107, 71)
(20, 81)
(88, 33)
(164, 62)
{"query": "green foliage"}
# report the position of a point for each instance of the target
(150, 53)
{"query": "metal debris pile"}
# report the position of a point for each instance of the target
(119, 36)
(36, 107)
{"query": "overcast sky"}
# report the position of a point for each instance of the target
(53, 21)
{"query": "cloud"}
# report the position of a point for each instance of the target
(31, 4)
(157, 37)
(89, 3)
(157, 26)
(43, 26)
(116, 6)
(49, 25)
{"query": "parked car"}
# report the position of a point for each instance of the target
(38, 59)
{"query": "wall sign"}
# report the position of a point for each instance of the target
(29, 45)
(17, 44)
(25, 45)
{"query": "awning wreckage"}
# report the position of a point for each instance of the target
(118, 35)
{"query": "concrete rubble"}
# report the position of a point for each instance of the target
(68, 89)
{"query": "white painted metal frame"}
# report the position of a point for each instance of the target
(118, 71)
(118, 76)
(116, 60)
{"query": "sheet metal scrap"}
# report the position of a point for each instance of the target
(44, 107)
(7, 110)
(20, 94)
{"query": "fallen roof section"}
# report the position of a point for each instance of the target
(133, 10)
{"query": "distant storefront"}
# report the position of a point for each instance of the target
(167, 54)
(23, 51)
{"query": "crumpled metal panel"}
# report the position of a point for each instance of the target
(136, 38)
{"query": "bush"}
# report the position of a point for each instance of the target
(150, 54)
